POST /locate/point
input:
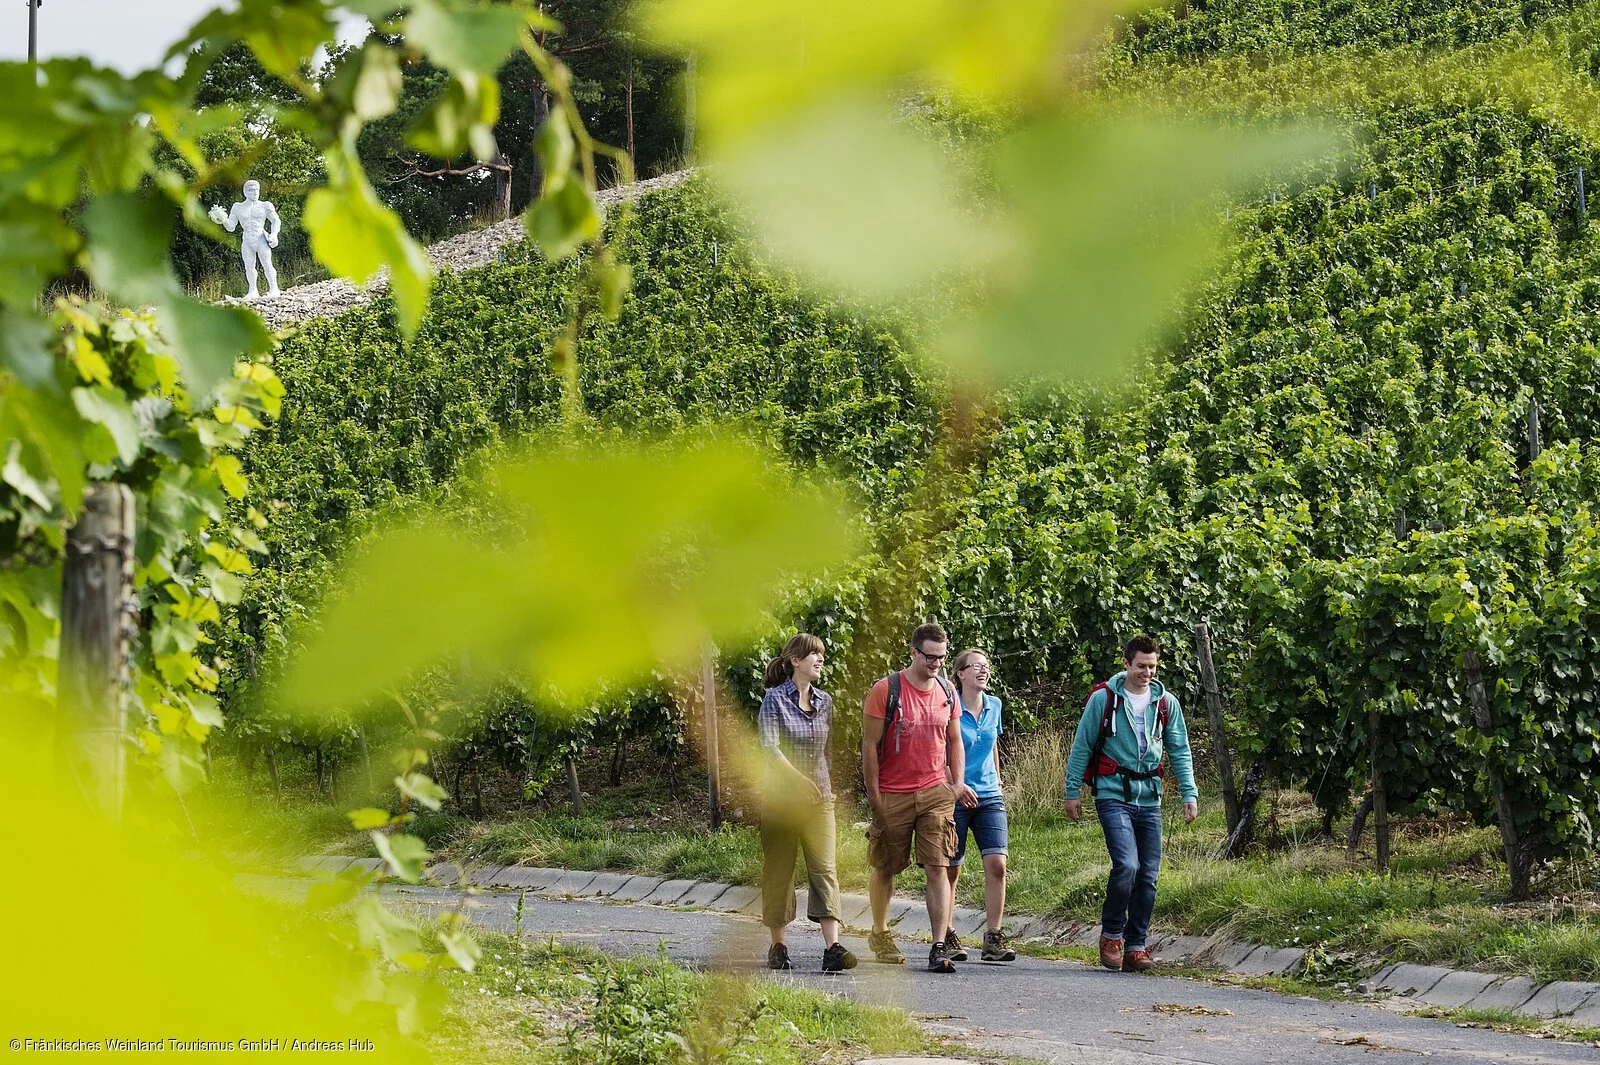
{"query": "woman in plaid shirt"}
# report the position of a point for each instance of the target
(797, 810)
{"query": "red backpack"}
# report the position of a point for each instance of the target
(1100, 765)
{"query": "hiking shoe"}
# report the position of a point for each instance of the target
(778, 957)
(883, 948)
(836, 959)
(939, 959)
(995, 947)
(1137, 961)
(1111, 953)
(953, 948)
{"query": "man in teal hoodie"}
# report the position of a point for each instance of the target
(1122, 762)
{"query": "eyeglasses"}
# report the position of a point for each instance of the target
(981, 667)
(933, 658)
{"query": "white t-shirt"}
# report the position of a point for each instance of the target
(1137, 705)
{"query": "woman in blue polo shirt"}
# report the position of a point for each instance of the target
(980, 731)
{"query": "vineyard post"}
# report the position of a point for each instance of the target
(96, 601)
(1583, 203)
(573, 791)
(1483, 719)
(1535, 444)
(1380, 799)
(1219, 733)
(708, 678)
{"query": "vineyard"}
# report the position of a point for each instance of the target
(1330, 464)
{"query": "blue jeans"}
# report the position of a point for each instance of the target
(987, 820)
(1133, 837)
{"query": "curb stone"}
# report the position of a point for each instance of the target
(1569, 1000)
(1457, 989)
(1558, 999)
(637, 889)
(704, 893)
(1508, 994)
(1405, 979)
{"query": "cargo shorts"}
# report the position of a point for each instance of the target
(929, 815)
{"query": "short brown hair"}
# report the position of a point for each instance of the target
(924, 633)
(1141, 645)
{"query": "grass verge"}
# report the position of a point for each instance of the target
(554, 1005)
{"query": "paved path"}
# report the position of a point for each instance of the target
(1052, 1011)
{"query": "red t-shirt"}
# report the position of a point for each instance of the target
(919, 729)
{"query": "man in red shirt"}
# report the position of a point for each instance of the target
(913, 762)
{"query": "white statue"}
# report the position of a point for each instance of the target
(261, 224)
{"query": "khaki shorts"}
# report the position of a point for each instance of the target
(930, 814)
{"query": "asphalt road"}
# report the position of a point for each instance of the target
(1053, 1011)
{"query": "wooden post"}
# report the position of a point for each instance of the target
(689, 104)
(502, 187)
(708, 678)
(366, 757)
(572, 786)
(1219, 732)
(1380, 800)
(272, 770)
(96, 597)
(1535, 445)
(1483, 718)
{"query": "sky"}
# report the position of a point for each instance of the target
(130, 35)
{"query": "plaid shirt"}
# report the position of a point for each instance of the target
(802, 737)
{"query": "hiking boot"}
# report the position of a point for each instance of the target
(882, 946)
(836, 959)
(995, 947)
(1111, 953)
(1137, 961)
(939, 959)
(953, 948)
(778, 957)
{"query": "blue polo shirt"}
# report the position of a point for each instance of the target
(978, 737)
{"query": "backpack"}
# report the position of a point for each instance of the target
(891, 708)
(1102, 766)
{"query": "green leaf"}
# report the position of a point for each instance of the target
(578, 597)
(354, 235)
(405, 854)
(50, 432)
(17, 476)
(461, 948)
(108, 408)
(230, 471)
(554, 146)
(563, 219)
(377, 88)
(463, 115)
(422, 788)
(1113, 220)
(129, 235)
(33, 249)
(208, 340)
(25, 349)
(368, 817)
(463, 38)
(856, 199)
(205, 709)
(383, 930)
(335, 892)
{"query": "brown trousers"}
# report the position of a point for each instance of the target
(809, 827)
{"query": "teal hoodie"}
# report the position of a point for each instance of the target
(1123, 746)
